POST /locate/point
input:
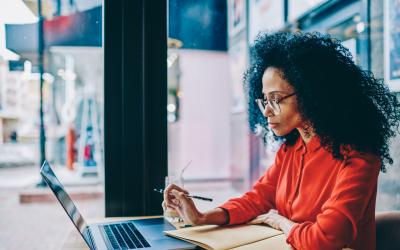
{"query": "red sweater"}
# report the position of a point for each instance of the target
(332, 200)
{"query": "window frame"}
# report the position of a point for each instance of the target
(135, 100)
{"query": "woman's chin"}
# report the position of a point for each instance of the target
(279, 132)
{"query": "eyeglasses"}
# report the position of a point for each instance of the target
(273, 104)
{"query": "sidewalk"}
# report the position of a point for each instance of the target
(27, 176)
(39, 225)
(18, 154)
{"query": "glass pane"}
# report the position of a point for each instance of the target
(389, 18)
(388, 185)
(207, 120)
(71, 66)
(206, 103)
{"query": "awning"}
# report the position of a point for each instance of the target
(79, 29)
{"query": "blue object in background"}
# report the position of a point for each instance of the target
(199, 24)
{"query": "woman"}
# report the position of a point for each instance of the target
(335, 121)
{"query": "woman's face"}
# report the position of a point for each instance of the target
(274, 88)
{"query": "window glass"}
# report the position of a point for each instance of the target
(207, 120)
(71, 69)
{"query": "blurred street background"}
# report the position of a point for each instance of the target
(52, 99)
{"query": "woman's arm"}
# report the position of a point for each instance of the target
(238, 210)
(216, 216)
(260, 199)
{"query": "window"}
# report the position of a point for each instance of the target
(71, 66)
(207, 119)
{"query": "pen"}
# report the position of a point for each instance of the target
(189, 196)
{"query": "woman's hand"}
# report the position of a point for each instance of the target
(275, 220)
(175, 198)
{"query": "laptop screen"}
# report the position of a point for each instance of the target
(63, 197)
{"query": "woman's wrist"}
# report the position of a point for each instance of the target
(216, 216)
(201, 219)
(286, 226)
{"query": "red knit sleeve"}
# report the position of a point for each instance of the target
(260, 199)
(336, 225)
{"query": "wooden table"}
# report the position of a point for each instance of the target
(74, 240)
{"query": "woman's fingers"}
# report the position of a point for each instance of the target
(265, 218)
(168, 193)
(272, 218)
(180, 198)
(255, 221)
(271, 223)
(187, 209)
(186, 201)
(259, 219)
(175, 187)
(173, 207)
(176, 198)
(163, 205)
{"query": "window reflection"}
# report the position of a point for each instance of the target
(72, 89)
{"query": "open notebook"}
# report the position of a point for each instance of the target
(238, 237)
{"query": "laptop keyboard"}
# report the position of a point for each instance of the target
(125, 236)
(92, 245)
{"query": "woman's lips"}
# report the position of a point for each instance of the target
(273, 125)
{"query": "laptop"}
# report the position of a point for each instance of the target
(129, 234)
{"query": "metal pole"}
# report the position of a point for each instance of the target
(41, 72)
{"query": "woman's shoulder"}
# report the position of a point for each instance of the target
(350, 152)
(354, 157)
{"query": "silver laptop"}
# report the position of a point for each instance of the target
(129, 234)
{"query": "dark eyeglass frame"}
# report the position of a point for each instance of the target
(273, 104)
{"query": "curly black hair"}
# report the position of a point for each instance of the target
(347, 107)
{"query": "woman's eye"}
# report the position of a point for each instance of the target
(274, 97)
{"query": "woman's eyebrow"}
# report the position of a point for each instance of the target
(275, 92)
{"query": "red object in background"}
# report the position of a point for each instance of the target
(87, 153)
(70, 141)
